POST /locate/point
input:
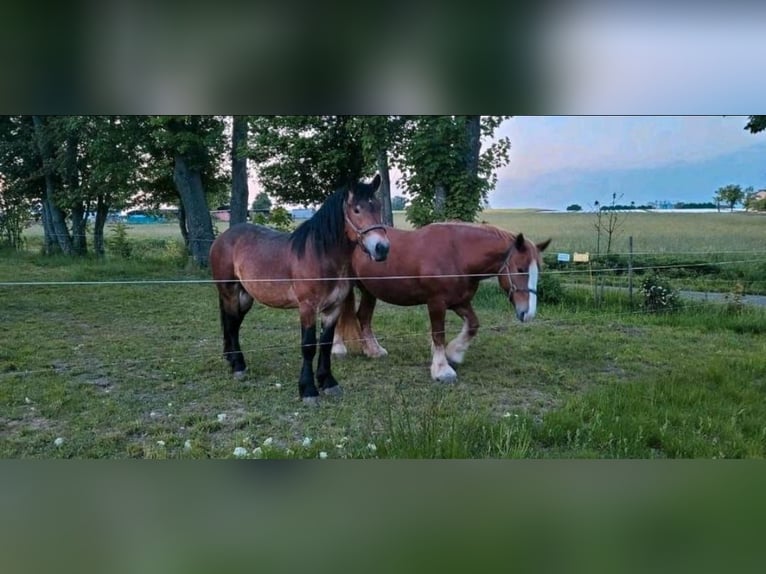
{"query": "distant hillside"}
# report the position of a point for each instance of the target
(683, 181)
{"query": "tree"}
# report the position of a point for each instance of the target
(574, 207)
(239, 189)
(22, 185)
(756, 124)
(753, 203)
(381, 135)
(194, 145)
(398, 203)
(54, 219)
(303, 159)
(609, 221)
(730, 194)
(262, 202)
(444, 171)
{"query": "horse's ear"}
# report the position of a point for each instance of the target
(520, 244)
(375, 183)
(543, 245)
(350, 196)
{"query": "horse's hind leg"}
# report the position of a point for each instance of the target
(366, 308)
(234, 303)
(440, 368)
(459, 345)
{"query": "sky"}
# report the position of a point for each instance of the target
(693, 153)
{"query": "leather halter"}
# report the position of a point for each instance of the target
(360, 232)
(507, 267)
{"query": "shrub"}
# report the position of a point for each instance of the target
(549, 289)
(658, 295)
(118, 243)
(734, 299)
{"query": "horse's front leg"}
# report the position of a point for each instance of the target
(440, 368)
(366, 308)
(327, 383)
(306, 388)
(459, 345)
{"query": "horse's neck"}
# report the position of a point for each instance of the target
(494, 248)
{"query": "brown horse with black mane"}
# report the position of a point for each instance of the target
(307, 269)
(440, 265)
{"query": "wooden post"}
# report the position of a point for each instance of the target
(630, 270)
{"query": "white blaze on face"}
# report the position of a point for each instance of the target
(532, 285)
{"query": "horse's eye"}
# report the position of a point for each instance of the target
(357, 210)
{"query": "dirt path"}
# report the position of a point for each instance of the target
(759, 300)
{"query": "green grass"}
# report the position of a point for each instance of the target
(134, 370)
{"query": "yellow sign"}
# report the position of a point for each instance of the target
(581, 257)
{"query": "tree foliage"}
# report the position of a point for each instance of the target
(731, 195)
(262, 202)
(444, 173)
(303, 159)
(756, 124)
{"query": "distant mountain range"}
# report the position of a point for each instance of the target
(687, 181)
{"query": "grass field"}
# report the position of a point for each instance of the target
(134, 370)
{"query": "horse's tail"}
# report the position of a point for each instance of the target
(347, 329)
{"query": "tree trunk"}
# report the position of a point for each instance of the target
(385, 187)
(471, 159)
(440, 202)
(50, 243)
(182, 224)
(239, 189)
(78, 214)
(473, 145)
(56, 216)
(102, 210)
(200, 227)
(79, 217)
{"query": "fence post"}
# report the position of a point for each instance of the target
(630, 270)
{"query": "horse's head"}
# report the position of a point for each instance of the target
(519, 273)
(364, 224)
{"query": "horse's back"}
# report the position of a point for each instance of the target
(245, 243)
(433, 261)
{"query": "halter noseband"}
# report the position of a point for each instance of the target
(360, 232)
(506, 265)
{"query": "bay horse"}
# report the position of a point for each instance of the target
(307, 269)
(440, 265)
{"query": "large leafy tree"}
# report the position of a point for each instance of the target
(191, 148)
(444, 170)
(302, 159)
(22, 186)
(730, 194)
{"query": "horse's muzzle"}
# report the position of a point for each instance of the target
(376, 247)
(381, 251)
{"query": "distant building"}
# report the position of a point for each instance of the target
(302, 213)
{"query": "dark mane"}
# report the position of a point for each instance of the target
(326, 228)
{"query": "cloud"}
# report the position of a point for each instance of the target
(541, 145)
